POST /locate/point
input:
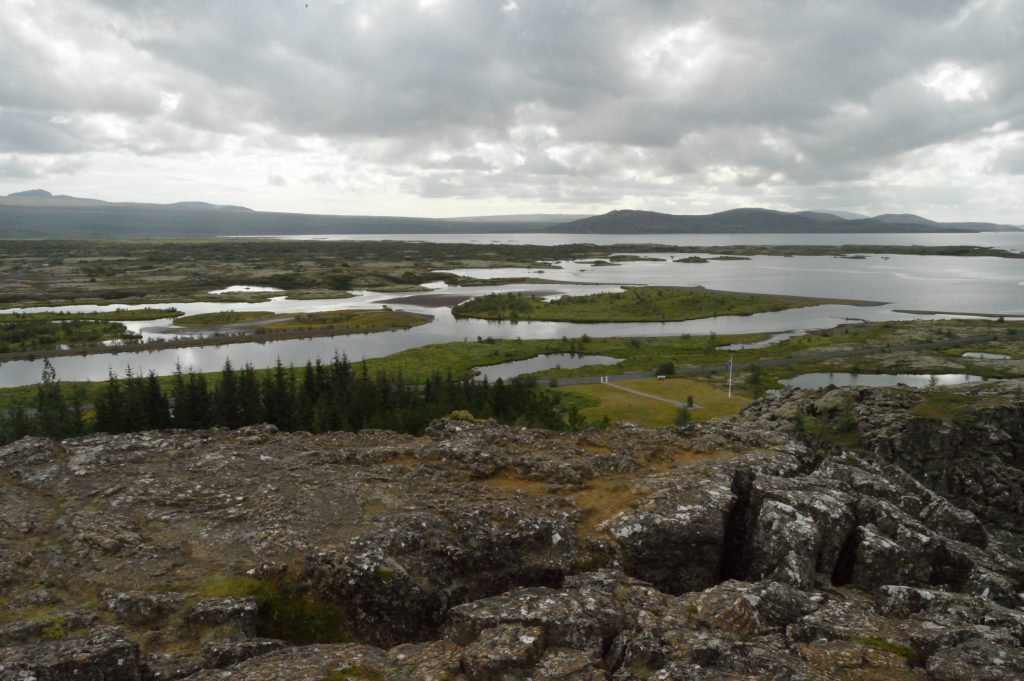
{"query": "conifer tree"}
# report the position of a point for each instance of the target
(156, 409)
(110, 407)
(226, 401)
(249, 400)
(53, 417)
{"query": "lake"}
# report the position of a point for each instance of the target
(903, 282)
(841, 379)
(558, 360)
(1009, 240)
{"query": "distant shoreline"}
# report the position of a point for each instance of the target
(988, 315)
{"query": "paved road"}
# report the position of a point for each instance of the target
(780, 361)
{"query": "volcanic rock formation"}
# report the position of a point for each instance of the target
(835, 534)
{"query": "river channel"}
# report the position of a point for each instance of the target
(961, 285)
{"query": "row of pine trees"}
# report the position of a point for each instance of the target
(321, 397)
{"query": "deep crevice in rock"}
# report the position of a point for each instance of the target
(733, 563)
(842, 573)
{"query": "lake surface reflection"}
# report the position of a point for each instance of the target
(558, 360)
(825, 379)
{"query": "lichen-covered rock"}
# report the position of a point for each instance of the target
(730, 550)
(581, 616)
(429, 661)
(977, 659)
(171, 666)
(751, 609)
(239, 614)
(800, 525)
(226, 652)
(101, 655)
(563, 664)
(398, 582)
(676, 538)
(57, 625)
(306, 663)
(140, 607)
(502, 650)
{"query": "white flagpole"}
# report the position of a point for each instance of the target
(730, 375)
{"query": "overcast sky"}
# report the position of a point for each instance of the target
(468, 107)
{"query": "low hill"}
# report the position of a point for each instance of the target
(761, 221)
(39, 214)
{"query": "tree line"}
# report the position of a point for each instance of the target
(320, 397)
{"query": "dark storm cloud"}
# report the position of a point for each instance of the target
(458, 97)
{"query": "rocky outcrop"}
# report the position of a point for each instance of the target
(819, 535)
(101, 655)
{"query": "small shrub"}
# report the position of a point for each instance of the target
(683, 416)
(57, 629)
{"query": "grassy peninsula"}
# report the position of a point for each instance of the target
(639, 304)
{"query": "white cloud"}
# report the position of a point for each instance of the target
(458, 106)
(956, 83)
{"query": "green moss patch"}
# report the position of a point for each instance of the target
(288, 609)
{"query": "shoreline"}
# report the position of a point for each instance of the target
(987, 315)
(234, 339)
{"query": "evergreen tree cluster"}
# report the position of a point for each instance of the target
(321, 397)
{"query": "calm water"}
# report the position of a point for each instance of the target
(937, 283)
(825, 379)
(985, 355)
(560, 360)
(948, 284)
(1008, 240)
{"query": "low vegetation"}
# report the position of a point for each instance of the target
(222, 318)
(639, 304)
(47, 339)
(42, 331)
(288, 609)
(349, 321)
(123, 315)
(37, 336)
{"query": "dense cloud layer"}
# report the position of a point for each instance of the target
(455, 106)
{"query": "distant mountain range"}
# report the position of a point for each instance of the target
(764, 221)
(39, 214)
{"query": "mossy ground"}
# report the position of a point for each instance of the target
(288, 609)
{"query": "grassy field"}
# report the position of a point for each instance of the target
(639, 304)
(602, 401)
(221, 318)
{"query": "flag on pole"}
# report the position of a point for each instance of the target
(728, 365)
